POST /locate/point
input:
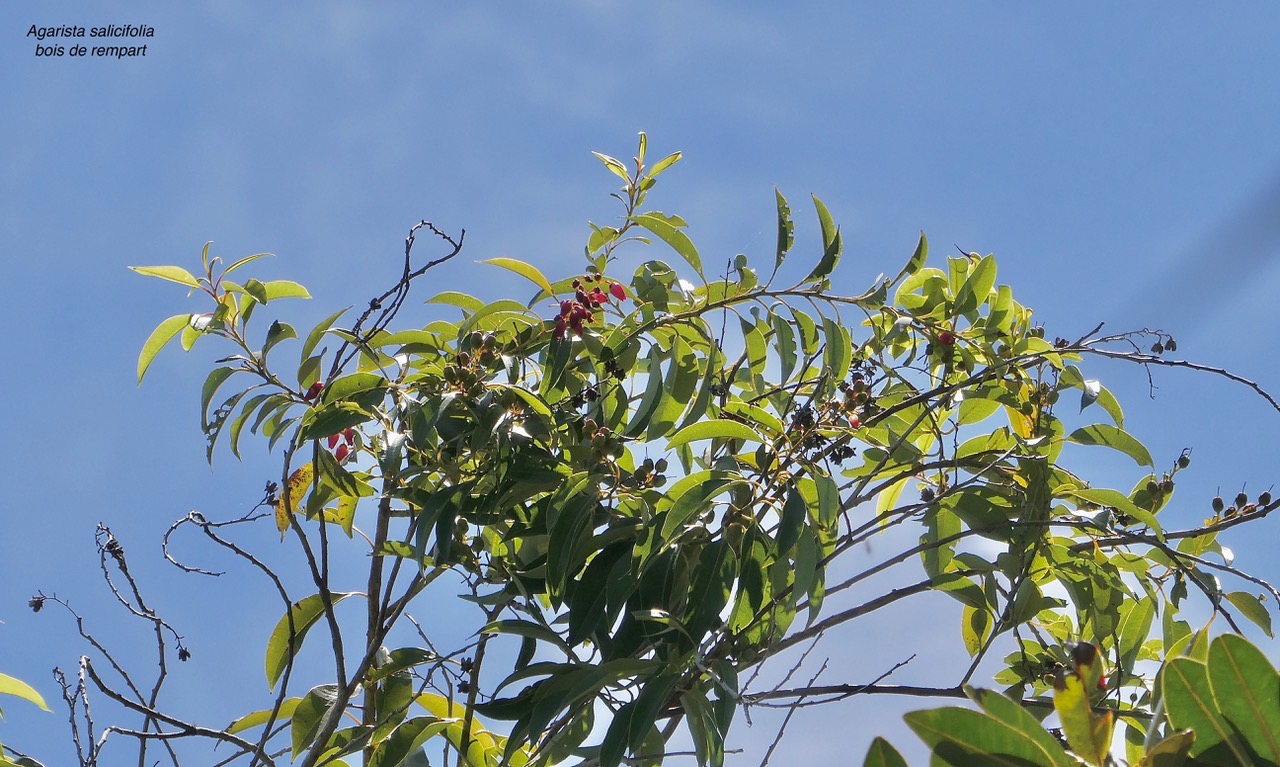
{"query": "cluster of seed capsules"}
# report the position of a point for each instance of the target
(577, 311)
(1241, 505)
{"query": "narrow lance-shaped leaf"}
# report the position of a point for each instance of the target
(719, 429)
(1110, 436)
(917, 259)
(830, 243)
(171, 273)
(786, 230)
(283, 645)
(19, 688)
(163, 334)
(668, 229)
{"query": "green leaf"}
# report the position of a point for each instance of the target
(664, 163)
(308, 715)
(528, 271)
(466, 303)
(959, 736)
(283, 644)
(976, 287)
(1119, 501)
(794, 513)
(527, 629)
(917, 259)
(1110, 436)
(717, 429)
(331, 419)
(1170, 752)
(171, 273)
(211, 383)
(284, 289)
(1246, 688)
(241, 262)
(1012, 713)
(258, 718)
(883, 754)
(614, 165)
(279, 331)
(633, 721)
(786, 230)
(1252, 608)
(406, 739)
(313, 338)
(1190, 705)
(163, 334)
(830, 243)
(668, 229)
(19, 688)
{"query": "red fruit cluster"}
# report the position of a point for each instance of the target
(342, 444)
(314, 391)
(577, 311)
(947, 338)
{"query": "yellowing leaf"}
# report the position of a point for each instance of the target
(295, 490)
(1088, 733)
(11, 686)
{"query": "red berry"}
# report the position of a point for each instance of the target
(618, 291)
(341, 453)
(332, 440)
(314, 391)
(946, 338)
(854, 421)
(560, 326)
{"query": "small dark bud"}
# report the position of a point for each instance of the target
(1166, 486)
(467, 664)
(37, 603)
(1084, 654)
(1184, 461)
(1171, 345)
(1265, 498)
(1217, 505)
(1152, 487)
(1157, 348)
(184, 654)
(464, 687)
(1241, 499)
(927, 494)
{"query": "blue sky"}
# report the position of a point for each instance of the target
(1121, 162)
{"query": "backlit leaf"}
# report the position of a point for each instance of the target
(162, 335)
